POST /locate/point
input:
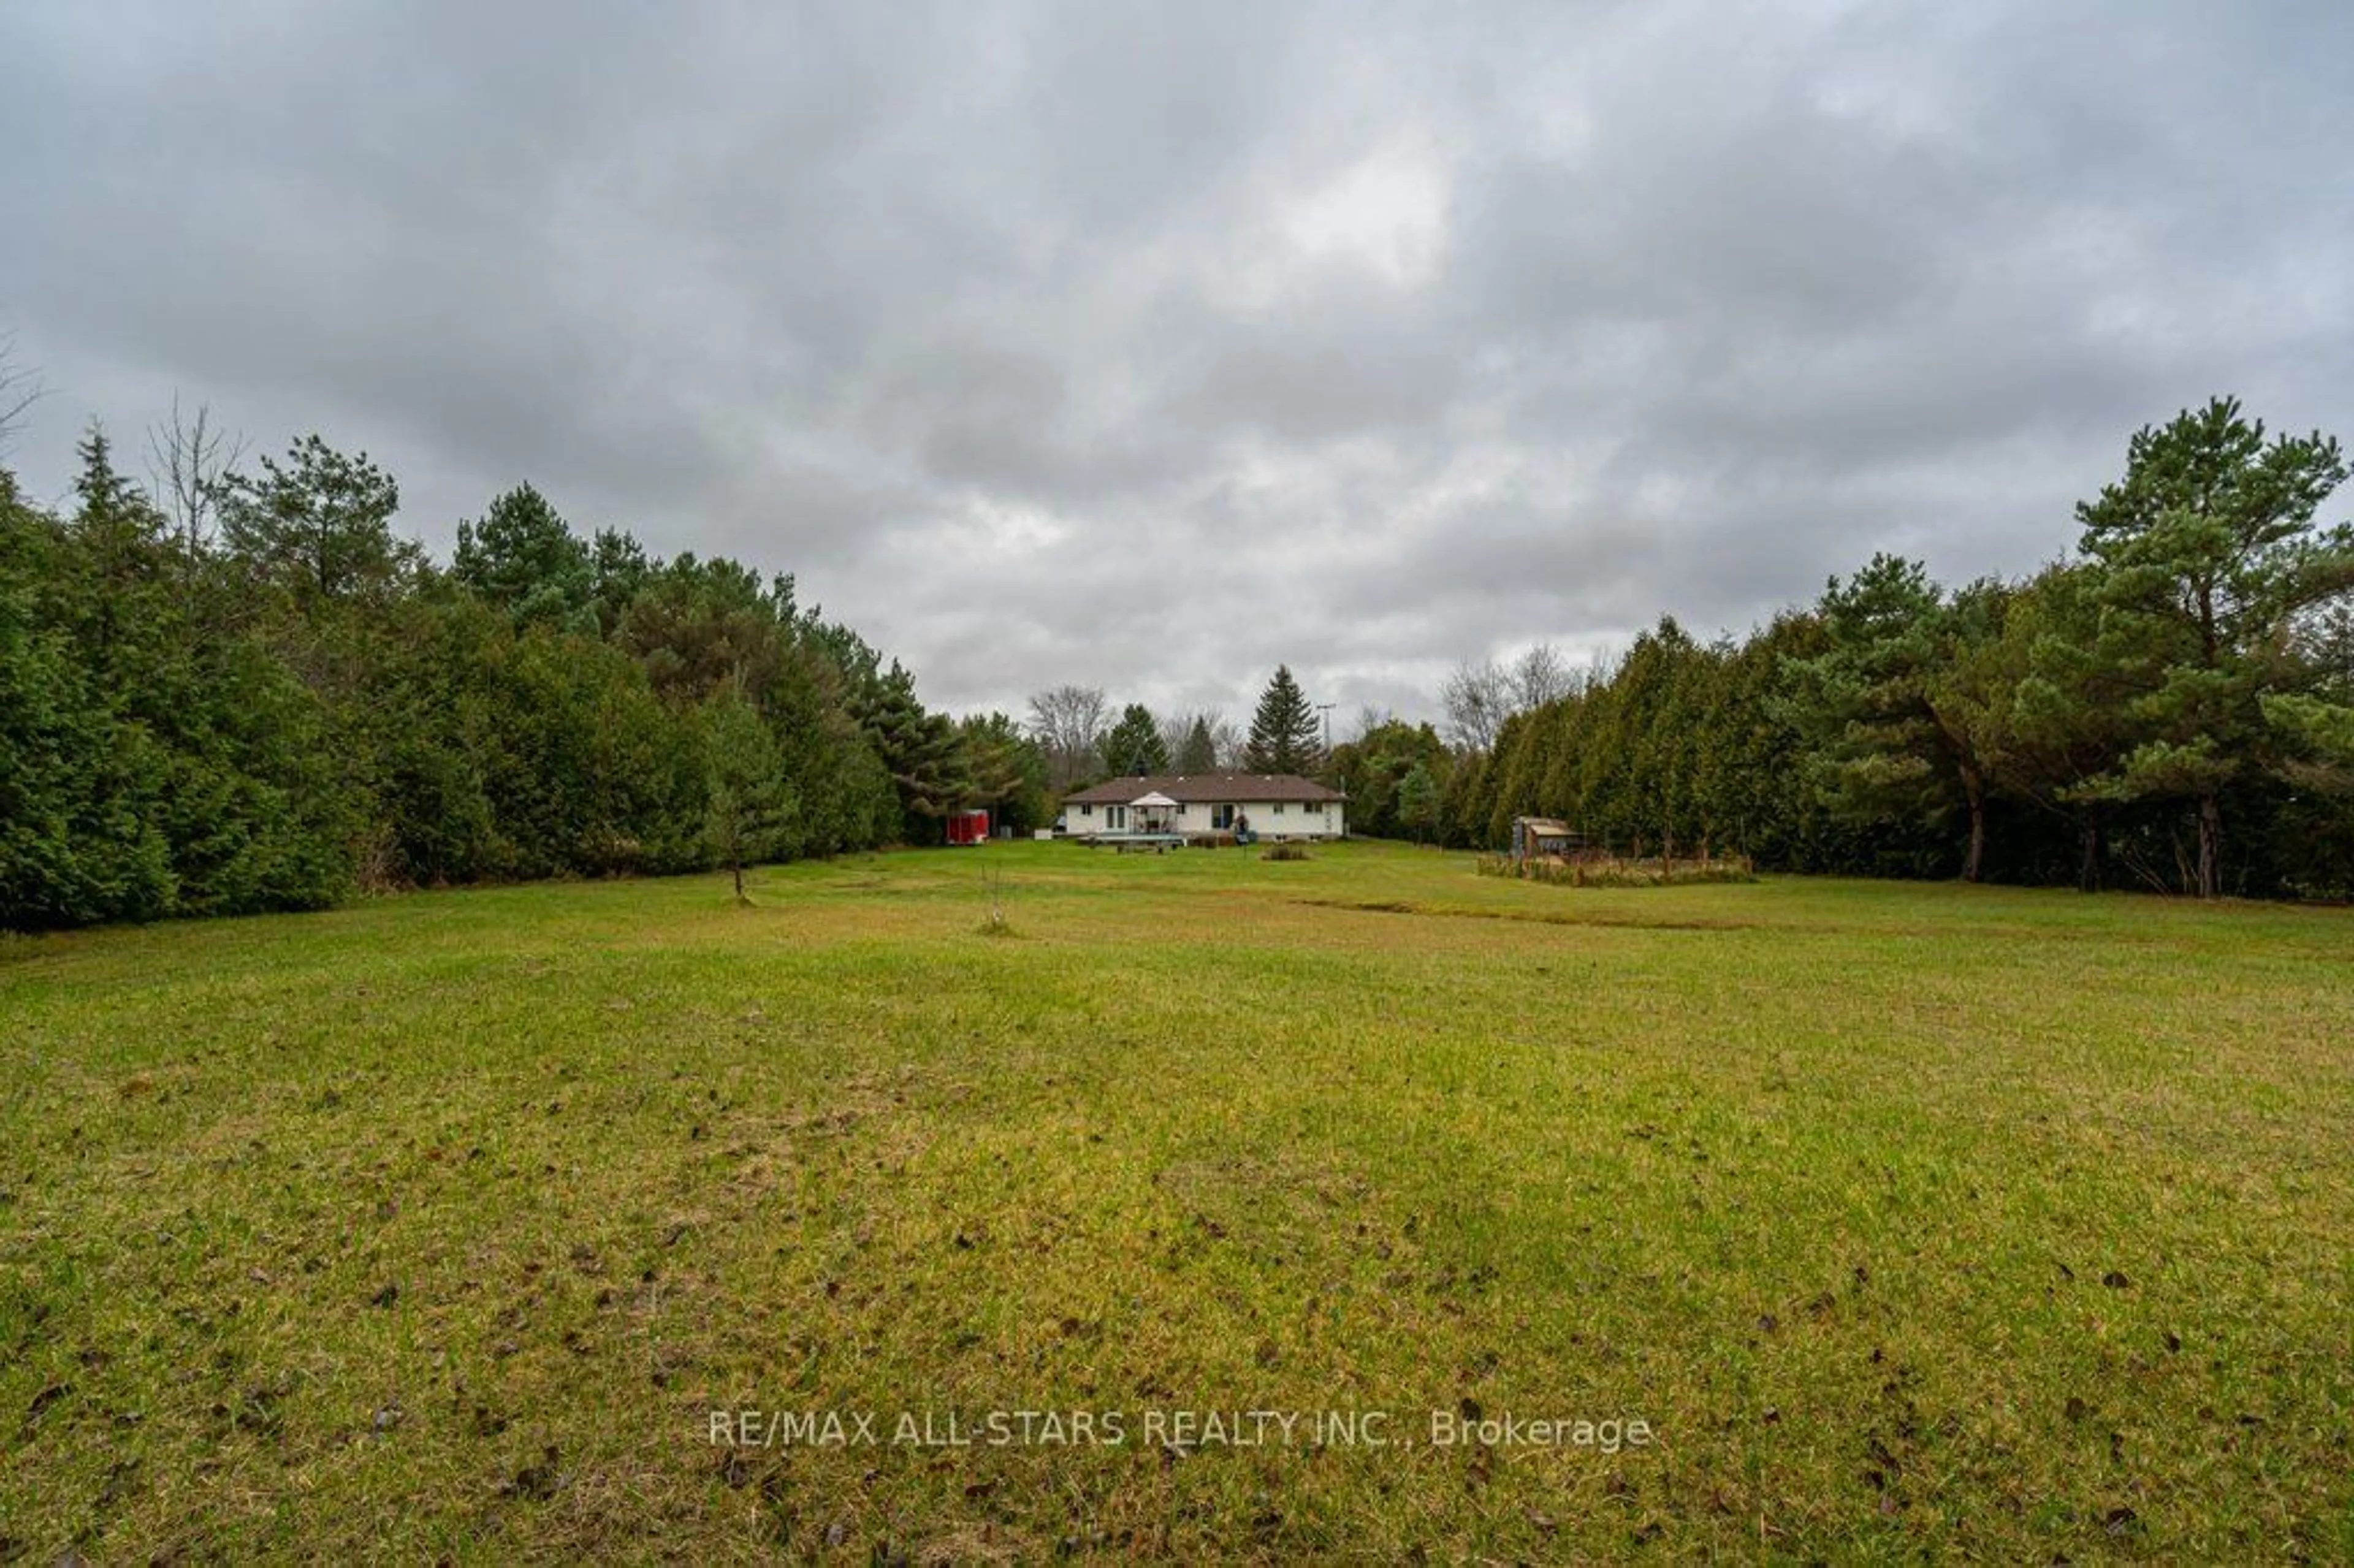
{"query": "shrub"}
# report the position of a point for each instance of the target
(1614, 871)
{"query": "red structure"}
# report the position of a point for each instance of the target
(967, 827)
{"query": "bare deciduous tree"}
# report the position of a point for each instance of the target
(1069, 722)
(1174, 728)
(1231, 741)
(189, 460)
(1223, 738)
(19, 390)
(1477, 699)
(1540, 676)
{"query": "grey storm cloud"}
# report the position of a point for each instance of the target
(1148, 346)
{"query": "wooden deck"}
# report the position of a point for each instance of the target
(1158, 844)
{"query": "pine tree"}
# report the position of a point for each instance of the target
(1283, 731)
(521, 557)
(2032, 699)
(1008, 771)
(318, 524)
(2208, 552)
(1888, 740)
(925, 758)
(1134, 745)
(749, 799)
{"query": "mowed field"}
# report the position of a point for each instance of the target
(1907, 1222)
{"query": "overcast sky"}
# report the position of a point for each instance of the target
(1147, 345)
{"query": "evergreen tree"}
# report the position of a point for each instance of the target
(78, 792)
(2321, 737)
(1887, 742)
(523, 558)
(173, 742)
(1417, 802)
(703, 627)
(2208, 553)
(1372, 772)
(210, 753)
(1467, 802)
(1753, 798)
(1283, 731)
(748, 799)
(2036, 711)
(619, 567)
(846, 796)
(118, 526)
(80, 788)
(318, 526)
(1198, 753)
(1008, 771)
(1134, 745)
(1661, 679)
(921, 751)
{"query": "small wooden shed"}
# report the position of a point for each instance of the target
(1534, 837)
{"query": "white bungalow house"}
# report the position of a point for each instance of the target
(1274, 806)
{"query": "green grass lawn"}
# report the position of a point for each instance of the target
(1909, 1220)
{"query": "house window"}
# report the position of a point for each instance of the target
(1115, 817)
(1087, 811)
(1222, 817)
(1276, 810)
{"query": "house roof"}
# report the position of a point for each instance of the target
(1207, 789)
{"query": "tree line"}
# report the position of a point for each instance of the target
(235, 690)
(2171, 707)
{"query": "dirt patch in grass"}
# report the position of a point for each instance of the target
(1539, 916)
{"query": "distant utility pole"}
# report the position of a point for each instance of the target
(1326, 709)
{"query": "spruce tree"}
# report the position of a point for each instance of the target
(1283, 731)
(1134, 745)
